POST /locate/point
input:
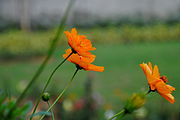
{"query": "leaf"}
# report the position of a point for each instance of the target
(27, 107)
(41, 113)
(1, 91)
(2, 98)
(22, 111)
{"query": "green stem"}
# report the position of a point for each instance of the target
(50, 52)
(116, 115)
(60, 95)
(47, 83)
(148, 91)
(51, 111)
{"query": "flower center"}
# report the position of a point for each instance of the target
(164, 78)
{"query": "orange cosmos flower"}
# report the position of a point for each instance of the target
(157, 82)
(83, 62)
(79, 43)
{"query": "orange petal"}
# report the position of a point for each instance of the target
(150, 65)
(79, 43)
(152, 87)
(67, 33)
(162, 88)
(147, 71)
(92, 67)
(86, 54)
(74, 31)
(89, 58)
(153, 81)
(75, 58)
(168, 97)
(171, 88)
(156, 72)
(68, 52)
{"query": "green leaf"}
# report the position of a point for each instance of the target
(22, 111)
(27, 107)
(2, 98)
(40, 113)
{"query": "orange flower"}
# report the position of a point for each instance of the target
(156, 82)
(83, 62)
(79, 43)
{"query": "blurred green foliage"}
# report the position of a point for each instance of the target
(122, 76)
(121, 64)
(134, 34)
(20, 113)
(16, 43)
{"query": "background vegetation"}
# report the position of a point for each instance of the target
(125, 34)
(16, 43)
(119, 49)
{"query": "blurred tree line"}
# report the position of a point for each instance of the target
(37, 14)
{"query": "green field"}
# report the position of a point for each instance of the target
(122, 75)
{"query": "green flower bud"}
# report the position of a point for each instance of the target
(135, 102)
(45, 96)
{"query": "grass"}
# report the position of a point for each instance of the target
(121, 78)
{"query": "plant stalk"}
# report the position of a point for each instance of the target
(47, 83)
(61, 94)
(118, 114)
(52, 114)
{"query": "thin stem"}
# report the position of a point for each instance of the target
(148, 91)
(119, 113)
(50, 52)
(51, 111)
(47, 83)
(121, 116)
(60, 95)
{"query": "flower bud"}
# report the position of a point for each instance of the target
(45, 96)
(135, 102)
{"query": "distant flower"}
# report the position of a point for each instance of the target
(67, 105)
(79, 104)
(109, 113)
(157, 82)
(135, 102)
(141, 113)
(83, 62)
(79, 43)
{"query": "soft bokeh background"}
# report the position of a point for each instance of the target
(125, 33)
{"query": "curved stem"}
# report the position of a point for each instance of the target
(148, 91)
(47, 83)
(50, 52)
(51, 111)
(119, 113)
(60, 95)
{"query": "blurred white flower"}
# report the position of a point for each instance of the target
(141, 113)
(108, 114)
(68, 105)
